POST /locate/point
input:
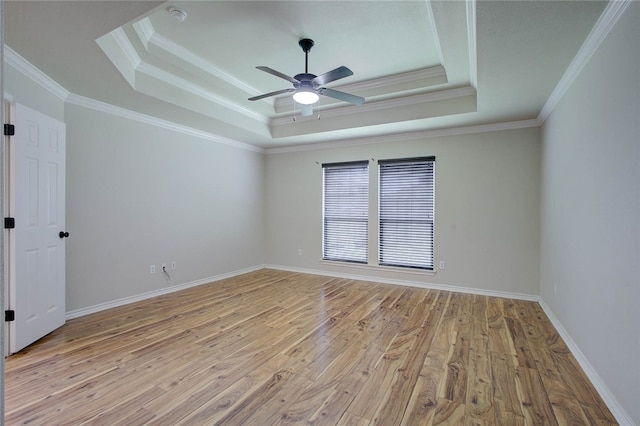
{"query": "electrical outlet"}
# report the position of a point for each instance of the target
(299, 252)
(173, 265)
(441, 265)
(152, 269)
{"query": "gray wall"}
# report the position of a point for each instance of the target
(487, 209)
(139, 195)
(590, 211)
(23, 90)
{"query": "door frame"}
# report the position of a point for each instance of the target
(8, 210)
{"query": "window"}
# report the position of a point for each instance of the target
(406, 212)
(345, 211)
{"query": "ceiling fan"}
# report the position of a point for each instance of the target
(307, 86)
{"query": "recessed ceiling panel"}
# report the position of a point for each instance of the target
(372, 38)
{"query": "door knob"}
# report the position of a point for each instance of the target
(63, 234)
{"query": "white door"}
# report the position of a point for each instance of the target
(37, 244)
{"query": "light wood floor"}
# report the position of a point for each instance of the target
(274, 347)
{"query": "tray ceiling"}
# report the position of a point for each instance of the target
(420, 65)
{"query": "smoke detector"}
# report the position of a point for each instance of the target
(177, 14)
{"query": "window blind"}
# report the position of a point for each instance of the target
(406, 212)
(345, 211)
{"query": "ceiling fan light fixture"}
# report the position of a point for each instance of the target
(306, 97)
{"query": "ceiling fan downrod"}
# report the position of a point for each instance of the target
(306, 44)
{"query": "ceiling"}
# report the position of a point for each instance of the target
(420, 65)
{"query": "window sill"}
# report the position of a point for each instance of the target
(368, 267)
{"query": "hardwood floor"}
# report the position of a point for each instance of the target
(273, 347)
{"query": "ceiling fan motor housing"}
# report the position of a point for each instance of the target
(305, 81)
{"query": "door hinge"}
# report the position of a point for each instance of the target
(9, 129)
(9, 223)
(10, 315)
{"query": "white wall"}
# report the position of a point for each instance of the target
(139, 195)
(487, 209)
(590, 211)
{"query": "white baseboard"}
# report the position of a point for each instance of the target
(410, 283)
(131, 299)
(605, 393)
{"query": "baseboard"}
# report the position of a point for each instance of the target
(409, 283)
(605, 393)
(131, 299)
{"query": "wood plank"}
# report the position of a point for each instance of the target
(508, 409)
(565, 406)
(536, 405)
(275, 347)
(479, 402)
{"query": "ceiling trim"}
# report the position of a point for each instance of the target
(135, 64)
(471, 40)
(384, 104)
(182, 84)
(30, 71)
(104, 107)
(127, 48)
(376, 83)
(432, 22)
(605, 23)
(403, 137)
(145, 31)
(25, 67)
(148, 35)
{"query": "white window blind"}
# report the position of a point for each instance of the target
(406, 212)
(345, 211)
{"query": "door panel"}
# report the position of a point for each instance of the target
(37, 253)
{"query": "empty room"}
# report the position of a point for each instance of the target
(321, 212)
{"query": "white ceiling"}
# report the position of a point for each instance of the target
(420, 65)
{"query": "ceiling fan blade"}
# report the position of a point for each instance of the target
(352, 99)
(277, 92)
(277, 74)
(333, 75)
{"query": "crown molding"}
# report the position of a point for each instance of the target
(472, 43)
(432, 22)
(182, 84)
(411, 136)
(375, 83)
(123, 42)
(144, 29)
(191, 58)
(148, 36)
(106, 108)
(610, 16)
(29, 70)
(423, 98)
